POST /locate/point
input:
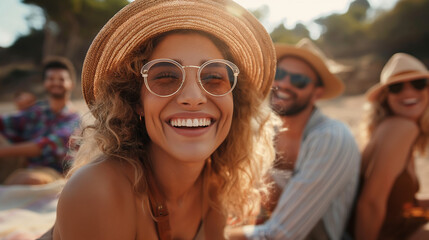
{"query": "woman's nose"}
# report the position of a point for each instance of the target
(191, 93)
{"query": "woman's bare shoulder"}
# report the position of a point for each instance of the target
(397, 127)
(97, 196)
(104, 177)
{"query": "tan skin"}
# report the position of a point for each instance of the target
(393, 149)
(288, 142)
(57, 83)
(112, 210)
(24, 100)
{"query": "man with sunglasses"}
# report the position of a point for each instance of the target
(318, 160)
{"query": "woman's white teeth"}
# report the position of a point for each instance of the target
(195, 122)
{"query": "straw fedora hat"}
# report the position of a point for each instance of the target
(332, 85)
(401, 67)
(249, 42)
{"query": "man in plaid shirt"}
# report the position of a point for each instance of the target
(34, 142)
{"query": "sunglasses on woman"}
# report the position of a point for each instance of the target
(418, 84)
(297, 80)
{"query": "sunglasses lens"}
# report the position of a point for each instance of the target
(419, 84)
(280, 74)
(396, 87)
(299, 81)
(164, 78)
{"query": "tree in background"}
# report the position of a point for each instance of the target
(25, 47)
(403, 29)
(291, 36)
(281, 33)
(71, 24)
(261, 13)
(346, 34)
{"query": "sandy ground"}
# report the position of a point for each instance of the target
(348, 109)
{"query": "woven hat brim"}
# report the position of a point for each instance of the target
(374, 91)
(247, 39)
(332, 85)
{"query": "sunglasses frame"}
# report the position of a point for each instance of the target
(292, 82)
(400, 85)
(145, 69)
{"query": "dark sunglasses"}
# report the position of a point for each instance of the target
(418, 84)
(297, 80)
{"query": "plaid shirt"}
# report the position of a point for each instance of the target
(50, 131)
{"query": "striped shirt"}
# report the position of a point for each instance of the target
(49, 130)
(322, 187)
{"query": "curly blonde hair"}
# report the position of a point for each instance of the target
(236, 168)
(379, 110)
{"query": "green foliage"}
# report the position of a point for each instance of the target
(72, 24)
(261, 13)
(27, 47)
(17, 76)
(69, 29)
(281, 33)
(358, 10)
(291, 36)
(403, 29)
(346, 34)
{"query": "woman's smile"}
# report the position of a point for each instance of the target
(190, 124)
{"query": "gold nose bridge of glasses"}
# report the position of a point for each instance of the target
(191, 66)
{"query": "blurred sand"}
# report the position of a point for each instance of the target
(347, 109)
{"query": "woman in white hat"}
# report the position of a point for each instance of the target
(398, 127)
(183, 132)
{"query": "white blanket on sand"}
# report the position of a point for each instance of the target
(26, 212)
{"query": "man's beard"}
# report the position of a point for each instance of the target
(297, 107)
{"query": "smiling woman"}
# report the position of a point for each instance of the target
(398, 129)
(183, 132)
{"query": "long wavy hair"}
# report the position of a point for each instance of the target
(379, 110)
(236, 169)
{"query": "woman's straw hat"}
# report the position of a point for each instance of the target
(332, 85)
(401, 67)
(249, 42)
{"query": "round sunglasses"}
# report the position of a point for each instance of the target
(418, 84)
(297, 80)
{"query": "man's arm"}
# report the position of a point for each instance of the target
(26, 149)
(330, 159)
(52, 144)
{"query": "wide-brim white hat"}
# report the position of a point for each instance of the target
(401, 67)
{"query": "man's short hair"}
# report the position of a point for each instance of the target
(59, 63)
